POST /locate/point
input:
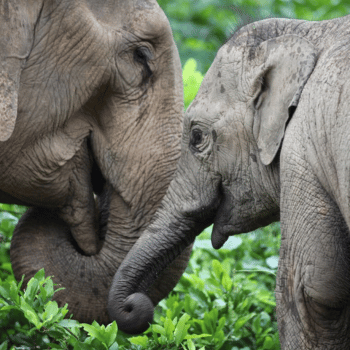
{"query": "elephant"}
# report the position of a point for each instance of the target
(91, 110)
(265, 139)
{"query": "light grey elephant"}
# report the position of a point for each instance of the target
(267, 137)
(91, 103)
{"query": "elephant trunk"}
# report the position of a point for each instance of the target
(182, 217)
(128, 302)
(43, 239)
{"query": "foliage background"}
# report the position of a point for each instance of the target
(201, 27)
(225, 299)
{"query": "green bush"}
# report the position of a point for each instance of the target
(223, 301)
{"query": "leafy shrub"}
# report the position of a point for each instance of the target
(224, 301)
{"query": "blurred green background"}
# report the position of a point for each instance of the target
(201, 27)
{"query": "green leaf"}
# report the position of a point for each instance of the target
(243, 320)
(93, 331)
(7, 222)
(31, 290)
(69, 323)
(256, 327)
(268, 343)
(14, 290)
(190, 305)
(40, 275)
(141, 340)
(227, 282)
(111, 333)
(169, 329)
(192, 80)
(51, 310)
(181, 329)
(158, 329)
(4, 292)
(210, 320)
(105, 335)
(217, 269)
(221, 323)
(190, 345)
(196, 336)
(46, 290)
(29, 313)
(3, 346)
(114, 346)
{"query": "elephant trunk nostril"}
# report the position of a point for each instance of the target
(136, 313)
(128, 308)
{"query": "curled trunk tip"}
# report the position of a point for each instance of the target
(135, 313)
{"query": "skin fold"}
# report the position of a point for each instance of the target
(91, 106)
(265, 139)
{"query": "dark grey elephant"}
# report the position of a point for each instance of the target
(267, 137)
(91, 104)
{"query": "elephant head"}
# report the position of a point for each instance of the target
(229, 170)
(91, 105)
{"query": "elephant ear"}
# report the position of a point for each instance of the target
(16, 28)
(287, 63)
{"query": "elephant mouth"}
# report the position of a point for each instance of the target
(97, 179)
(102, 196)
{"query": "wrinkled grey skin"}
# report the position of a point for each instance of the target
(267, 137)
(86, 87)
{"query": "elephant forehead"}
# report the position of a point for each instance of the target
(103, 8)
(203, 112)
(129, 15)
(226, 79)
(219, 93)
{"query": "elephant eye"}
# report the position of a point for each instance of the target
(142, 55)
(198, 140)
(196, 137)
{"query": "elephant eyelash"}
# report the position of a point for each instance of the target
(142, 55)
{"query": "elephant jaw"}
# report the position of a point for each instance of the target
(227, 222)
(222, 228)
(234, 218)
